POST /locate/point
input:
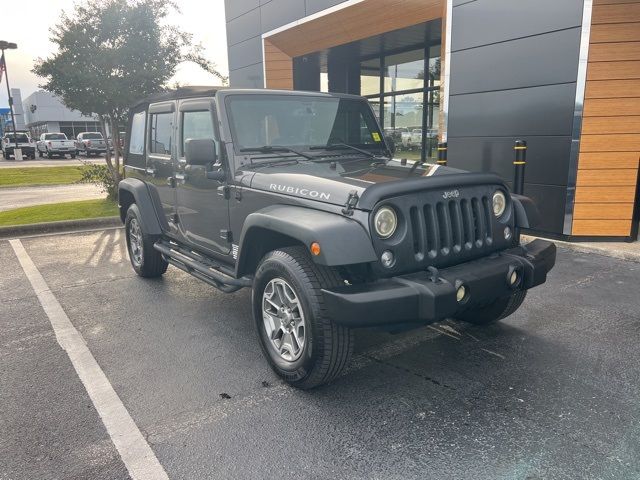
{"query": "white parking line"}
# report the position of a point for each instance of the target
(134, 450)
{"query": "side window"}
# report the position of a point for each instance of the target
(136, 143)
(160, 127)
(197, 124)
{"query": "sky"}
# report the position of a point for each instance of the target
(28, 26)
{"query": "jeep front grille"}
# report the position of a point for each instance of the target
(449, 227)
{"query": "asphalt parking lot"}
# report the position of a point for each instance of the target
(552, 392)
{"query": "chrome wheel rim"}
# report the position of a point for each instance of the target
(135, 241)
(283, 319)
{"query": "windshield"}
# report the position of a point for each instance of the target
(92, 136)
(21, 137)
(301, 122)
(55, 136)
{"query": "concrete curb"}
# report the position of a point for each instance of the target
(61, 226)
(619, 250)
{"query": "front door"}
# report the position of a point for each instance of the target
(202, 206)
(161, 157)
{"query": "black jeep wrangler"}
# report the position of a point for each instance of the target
(297, 196)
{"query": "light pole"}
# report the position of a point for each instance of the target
(10, 46)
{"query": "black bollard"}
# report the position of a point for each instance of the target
(442, 153)
(519, 164)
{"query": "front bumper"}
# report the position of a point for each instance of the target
(416, 298)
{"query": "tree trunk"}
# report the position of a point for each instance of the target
(114, 173)
(115, 135)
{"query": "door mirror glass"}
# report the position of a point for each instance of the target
(200, 151)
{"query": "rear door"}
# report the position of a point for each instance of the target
(202, 203)
(162, 158)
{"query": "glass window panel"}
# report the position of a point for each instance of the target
(301, 121)
(404, 71)
(196, 125)
(370, 77)
(160, 133)
(324, 82)
(434, 66)
(136, 143)
(403, 122)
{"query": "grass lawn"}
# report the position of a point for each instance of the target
(28, 177)
(59, 211)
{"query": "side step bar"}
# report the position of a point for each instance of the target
(200, 267)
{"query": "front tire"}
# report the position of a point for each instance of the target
(145, 260)
(496, 311)
(301, 343)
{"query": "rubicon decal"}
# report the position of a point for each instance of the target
(305, 192)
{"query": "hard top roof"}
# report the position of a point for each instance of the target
(191, 92)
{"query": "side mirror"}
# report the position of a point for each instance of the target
(200, 151)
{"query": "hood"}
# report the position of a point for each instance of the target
(332, 184)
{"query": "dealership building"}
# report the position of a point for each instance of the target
(45, 113)
(562, 75)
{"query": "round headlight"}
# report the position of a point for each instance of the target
(499, 203)
(385, 222)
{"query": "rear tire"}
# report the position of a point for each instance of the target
(145, 260)
(323, 347)
(496, 311)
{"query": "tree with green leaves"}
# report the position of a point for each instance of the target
(112, 53)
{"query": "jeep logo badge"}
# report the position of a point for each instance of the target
(451, 194)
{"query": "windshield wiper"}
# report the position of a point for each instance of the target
(341, 146)
(275, 149)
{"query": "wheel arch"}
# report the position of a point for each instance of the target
(133, 190)
(343, 241)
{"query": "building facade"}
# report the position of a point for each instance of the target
(478, 74)
(45, 113)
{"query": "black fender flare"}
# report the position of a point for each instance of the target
(343, 241)
(143, 197)
(526, 212)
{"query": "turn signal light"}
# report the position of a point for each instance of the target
(315, 249)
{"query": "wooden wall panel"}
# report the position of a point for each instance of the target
(604, 228)
(616, 32)
(610, 52)
(278, 67)
(610, 125)
(606, 107)
(603, 178)
(603, 211)
(613, 88)
(362, 20)
(608, 160)
(613, 70)
(609, 155)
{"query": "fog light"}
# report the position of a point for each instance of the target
(387, 259)
(461, 293)
(513, 278)
(507, 233)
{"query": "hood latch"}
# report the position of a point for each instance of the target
(352, 201)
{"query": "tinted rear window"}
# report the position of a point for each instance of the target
(21, 137)
(55, 136)
(92, 136)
